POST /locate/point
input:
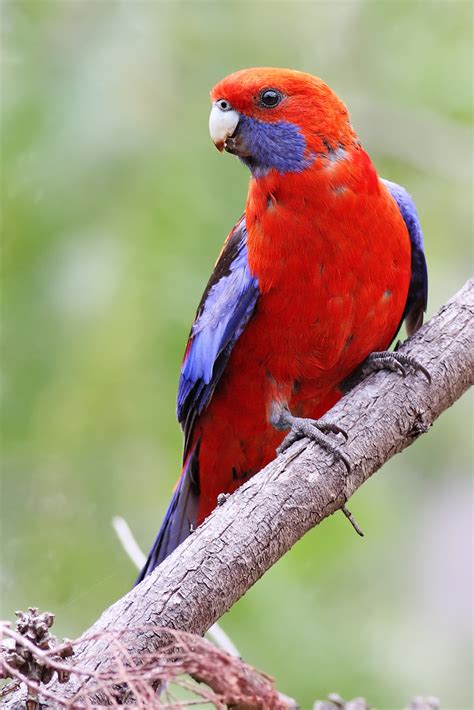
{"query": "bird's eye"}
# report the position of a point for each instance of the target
(224, 105)
(270, 98)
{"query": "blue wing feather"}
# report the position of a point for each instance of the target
(418, 290)
(226, 306)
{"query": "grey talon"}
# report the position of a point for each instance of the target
(313, 429)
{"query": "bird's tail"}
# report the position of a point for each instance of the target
(181, 516)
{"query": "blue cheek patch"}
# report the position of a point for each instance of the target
(280, 146)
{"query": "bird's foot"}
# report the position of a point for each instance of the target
(316, 430)
(385, 360)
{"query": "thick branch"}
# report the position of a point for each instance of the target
(245, 536)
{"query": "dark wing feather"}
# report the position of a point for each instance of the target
(418, 290)
(225, 308)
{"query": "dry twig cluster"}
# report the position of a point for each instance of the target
(188, 670)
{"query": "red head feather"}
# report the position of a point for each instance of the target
(306, 102)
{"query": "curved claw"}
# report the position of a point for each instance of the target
(411, 362)
(396, 366)
(337, 453)
(333, 428)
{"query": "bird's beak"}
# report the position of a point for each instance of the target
(222, 125)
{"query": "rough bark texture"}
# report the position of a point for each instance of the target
(245, 536)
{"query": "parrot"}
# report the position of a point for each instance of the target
(312, 283)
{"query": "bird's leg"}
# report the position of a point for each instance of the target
(313, 429)
(385, 360)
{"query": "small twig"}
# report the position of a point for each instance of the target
(7, 689)
(34, 687)
(128, 541)
(352, 520)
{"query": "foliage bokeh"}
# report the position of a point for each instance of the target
(114, 207)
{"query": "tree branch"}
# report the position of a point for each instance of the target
(255, 526)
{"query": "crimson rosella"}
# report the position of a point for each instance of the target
(316, 277)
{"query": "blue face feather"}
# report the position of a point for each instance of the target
(279, 145)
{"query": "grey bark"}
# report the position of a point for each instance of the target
(255, 526)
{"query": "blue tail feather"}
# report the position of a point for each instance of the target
(180, 517)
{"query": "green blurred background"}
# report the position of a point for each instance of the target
(115, 205)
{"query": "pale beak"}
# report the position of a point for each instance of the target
(222, 125)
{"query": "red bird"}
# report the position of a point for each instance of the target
(316, 277)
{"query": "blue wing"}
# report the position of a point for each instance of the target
(226, 306)
(418, 290)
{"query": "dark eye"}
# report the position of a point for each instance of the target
(224, 105)
(270, 98)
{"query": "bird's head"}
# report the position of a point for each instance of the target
(278, 119)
